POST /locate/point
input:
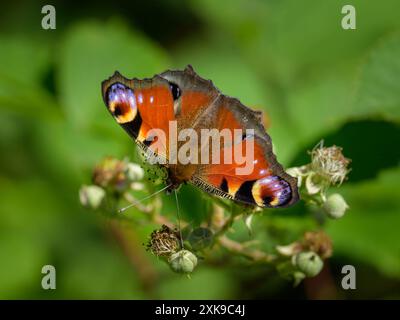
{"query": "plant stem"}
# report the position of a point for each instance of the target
(240, 249)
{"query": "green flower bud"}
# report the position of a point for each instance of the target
(200, 238)
(182, 261)
(309, 263)
(91, 196)
(134, 172)
(335, 206)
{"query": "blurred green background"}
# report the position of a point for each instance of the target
(290, 58)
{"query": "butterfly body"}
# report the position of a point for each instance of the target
(176, 110)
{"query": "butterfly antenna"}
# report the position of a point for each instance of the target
(139, 201)
(179, 218)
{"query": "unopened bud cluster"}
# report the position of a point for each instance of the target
(110, 176)
(183, 261)
(165, 243)
(304, 258)
(328, 167)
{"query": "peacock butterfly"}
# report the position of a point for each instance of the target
(162, 113)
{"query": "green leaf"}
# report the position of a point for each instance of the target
(326, 102)
(369, 230)
(285, 38)
(71, 152)
(27, 231)
(368, 143)
(27, 100)
(24, 59)
(25, 62)
(321, 104)
(379, 87)
(22, 259)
